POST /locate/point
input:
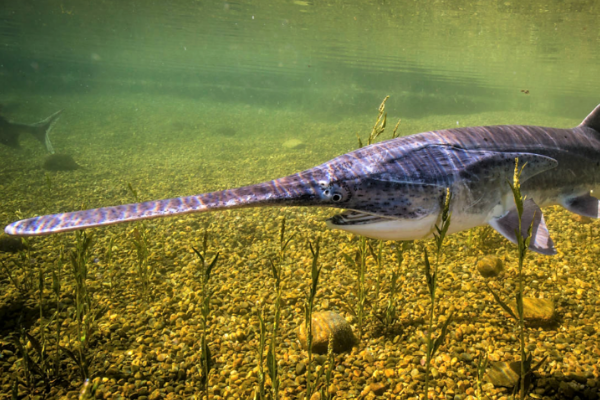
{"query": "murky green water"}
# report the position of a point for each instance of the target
(329, 57)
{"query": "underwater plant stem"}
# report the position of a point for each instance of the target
(429, 345)
(361, 284)
(206, 293)
(310, 298)
(41, 300)
(523, 245)
(431, 276)
(56, 288)
(260, 391)
(522, 330)
(378, 256)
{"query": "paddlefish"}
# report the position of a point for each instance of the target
(10, 131)
(396, 189)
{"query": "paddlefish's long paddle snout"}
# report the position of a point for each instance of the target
(300, 189)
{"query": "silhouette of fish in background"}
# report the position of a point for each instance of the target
(10, 131)
(395, 190)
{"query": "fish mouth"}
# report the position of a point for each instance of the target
(352, 217)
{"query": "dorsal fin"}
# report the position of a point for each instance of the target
(592, 120)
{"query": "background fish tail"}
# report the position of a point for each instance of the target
(41, 130)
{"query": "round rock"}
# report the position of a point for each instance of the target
(324, 325)
(490, 266)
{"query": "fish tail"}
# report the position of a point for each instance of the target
(42, 129)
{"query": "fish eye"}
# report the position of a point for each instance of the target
(336, 197)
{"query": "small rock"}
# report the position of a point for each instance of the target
(300, 368)
(324, 325)
(155, 395)
(581, 219)
(490, 266)
(332, 389)
(536, 309)
(378, 388)
(567, 390)
(503, 374)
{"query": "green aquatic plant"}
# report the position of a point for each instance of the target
(30, 364)
(276, 269)
(526, 369)
(206, 292)
(36, 361)
(42, 328)
(49, 183)
(358, 263)
(133, 192)
(79, 258)
(389, 316)
(361, 286)
(271, 359)
(86, 313)
(326, 384)
(478, 238)
(57, 275)
(431, 277)
(140, 243)
(108, 256)
(315, 272)
(259, 392)
(378, 257)
(18, 280)
(379, 126)
(144, 269)
(22, 274)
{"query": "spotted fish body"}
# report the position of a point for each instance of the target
(395, 189)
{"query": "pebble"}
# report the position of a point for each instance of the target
(542, 310)
(490, 266)
(503, 374)
(300, 368)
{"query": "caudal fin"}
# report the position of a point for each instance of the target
(42, 130)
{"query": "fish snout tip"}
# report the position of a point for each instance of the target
(20, 228)
(11, 229)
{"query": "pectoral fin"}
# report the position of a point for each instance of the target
(585, 205)
(507, 226)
